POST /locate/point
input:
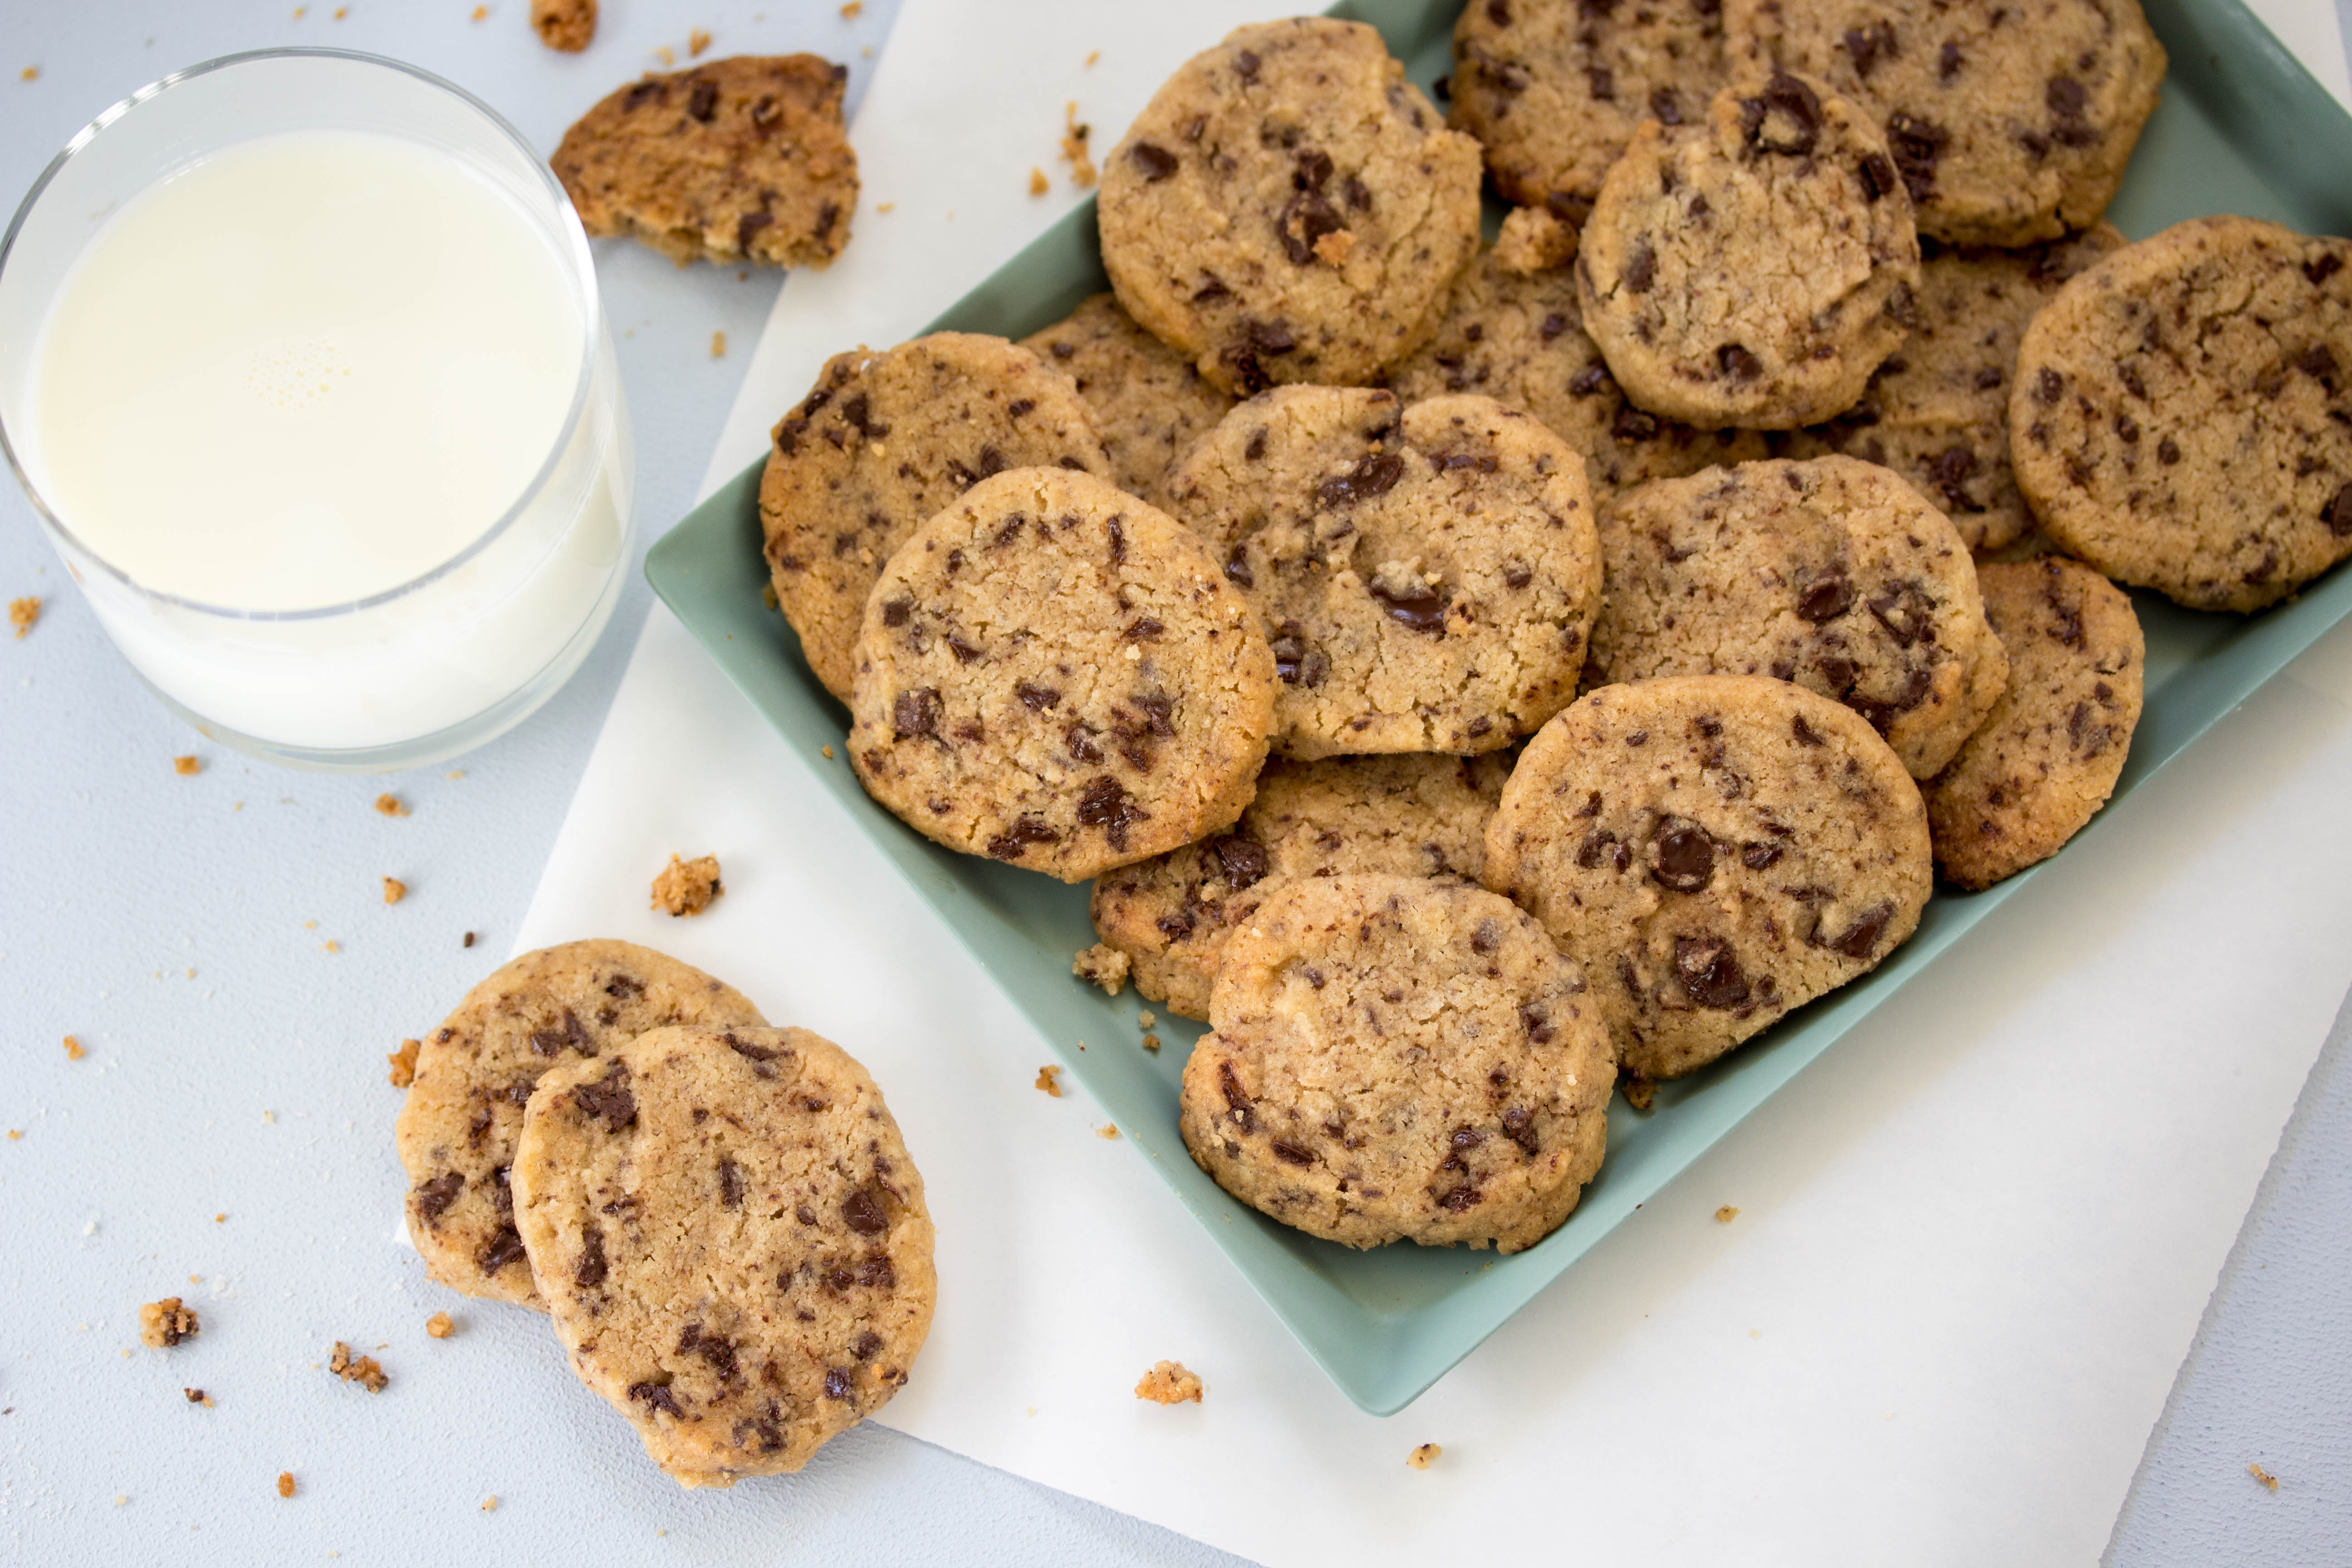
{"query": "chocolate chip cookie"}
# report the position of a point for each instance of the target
(1517, 337)
(1288, 207)
(2048, 756)
(1553, 89)
(1428, 574)
(1149, 402)
(1400, 1059)
(2008, 123)
(731, 1240)
(463, 1109)
(1830, 573)
(1753, 267)
(1405, 816)
(1938, 413)
(737, 159)
(2182, 417)
(1713, 850)
(1056, 674)
(883, 442)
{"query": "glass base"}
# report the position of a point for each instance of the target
(464, 736)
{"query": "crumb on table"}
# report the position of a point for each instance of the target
(827, 751)
(490, 1503)
(198, 1397)
(719, 351)
(30, 73)
(849, 12)
(1049, 1079)
(1168, 1383)
(362, 1369)
(768, 596)
(285, 1483)
(74, 1051)
(563, 25)
(1103, 964)
(2262, 1476)
(1726, 1214)
(164, 1323)
(686, 887)
(697, 40)
(439, 1326)
(187, 767)
(392, 806)
(1640, 1092)
(1145, 1018)
(1038, 184)
(23, 613)
(404, 1063)
(1150, 1042)
(1074, 147)
(1108, 1130)
(1421, 1458)
(395, 889)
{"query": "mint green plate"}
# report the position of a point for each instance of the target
(2242, 129)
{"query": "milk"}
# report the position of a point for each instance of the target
(299, 375)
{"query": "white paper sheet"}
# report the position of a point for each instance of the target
(1974, 1240)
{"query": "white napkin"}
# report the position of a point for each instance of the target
(1974, 1240)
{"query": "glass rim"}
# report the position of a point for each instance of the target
(583, 269)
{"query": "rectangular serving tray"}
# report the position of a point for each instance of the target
(2241, 128)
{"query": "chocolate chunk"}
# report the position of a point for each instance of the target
(1026, 831)
(1519, 1127)
(1709, 971)
(702, 100)
(744, 1048)
(837, 1383)
(1868, 46)
(1826, 598)
(1034, 697)
(1314, 170)
(1306, 218)
(1143, 628)
(1241, 861)
(1878, 176)
(435, 1196)
(2337, 513)
(1237, 567)
(1291, 1153)
(1245, 65)
(657, 1396)
(505, 1247)
(1863, 934)
(1106, 804)
(1420, 607)
(1601, 83)
(1296, 660)
(1734, 361)
(2323, 268)
(2168, 452)
(1157, 162)
(1948, 61)
(916, 713)
(863, 1214)
(1080, 740)
(592, 1269)
(746, 227)
(1374, 474)
(2067, 100)
(730, 1183)
(1632, 425)
(866, 1344)
(656, 89)
(2049, 386)
(1806, 735)
(1641, 267)
(609, 1098)
(1947, 470)
(1498, 12)
(1758, 857)
(897, 611)
(1903, 612)
(1554, 324)
(1238, 1100)
(1665, 107)
(1593, 378)
(1785, 98)
(1684, 857)
(1118, 532)
(1917, 146)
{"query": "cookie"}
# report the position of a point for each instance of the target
(1053, 673)
(1288, 207)
(1428, 574)
(2182, 417)
(1554, 88)
(885, 441)
(2008, 123)
(1148, 402)
(2047, 756)
(1830, 573)
(731, 1240)
(1713, 850)
(1517, 337)
(741, 160)
(1937, 411)
(1400, 1059)
(1754, 267)
(1404, 815)
(464, 1109)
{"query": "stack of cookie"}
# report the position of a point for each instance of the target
(720, 1218)
(1804, 418)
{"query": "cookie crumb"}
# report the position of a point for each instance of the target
(1104, 965)
(392, 806)
(886, 207)
(164, 1323)
(1093, 55)
(1074, 147)
(24, 614)
(1421, 1458)
(719, 347)
(1534, 240)
(1640, 1092)
(361, 1369)
(198, 1397)
(1150, 1042)
(220, 1219)
(331, 945)
(481, 13)
(768, 595)
(1107, 1130)
(1332, 249)
(1038, 184)
(1168, 1383)
(16, 1133)
(404, 1063)
(686, 887)
(439, 1326)
(1049, 1079)
(849, 12)
(490, 1503)
(285, 1483)
(697, 41)
(2262, 1476)
(187, 767)
(468, 941)
(1726, 1214)
(826, 752)
(74, 1051)
(29, 73)
(1145, 1017)
(395, 889)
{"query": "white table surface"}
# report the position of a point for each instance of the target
(118, 877)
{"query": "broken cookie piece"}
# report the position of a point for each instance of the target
(164, 1323)
(566, 25)
(686, 887)
(364, 1370)
(1168, 1383)
(1104, 965)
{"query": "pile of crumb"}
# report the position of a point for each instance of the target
(1049, 1079)
(404, 1063)
(1105, 966)
(686, 887)
(22, 614)
(164, 1323)
(565, 24)
(75, 1050)
(198, 1397)
(361, 1369)
(1168, 1383)
(1421, 1458)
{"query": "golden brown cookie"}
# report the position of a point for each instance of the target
(731, 1240)
(1148, 402)
(737, 159)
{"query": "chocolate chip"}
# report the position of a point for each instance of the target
(1237, 1102)
(1826, 598)
(1903, 612)
(657, 1396)
(1080, 740)
(1297, 662)
(1665, 107)
(1499, 12)
(2337, 513)
(1948, 62)
(1709, 971)
(866, 1344)
(1245, 65)
(1306, 218)
(1485, 937)
(748, 224)
(1683, 857)
(1374, 474)
(1106, 804)
(1157, 162)
(1758, 857)
(702, 100)
(505, 1247)
(1025, 830)
(916, 713)
(1784, 98)
(1599, 846)
(2167, 452)
(1118, 532)
(2320, 269)
(1593, 378)
(1601, 83)
(1143, 628)
(1863, 934)
(1947, 470)
(1917, 146)
(2049, 386)
(2067, 100)
(894, 613)
(609, 1098)
(592, 1269)
(1419, 607)
(1313, 171)
(1291, 1153)
(863, 1214)
(1034, 696)
(1805, 734)
(1868, 46)
(730, 1183)
(744, 1048)
(1878, 176)
(640, 91)
(435, 1196)
(1641, 267)
(1734, 361)
(1241, 861)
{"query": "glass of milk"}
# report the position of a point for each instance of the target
(303, 366)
